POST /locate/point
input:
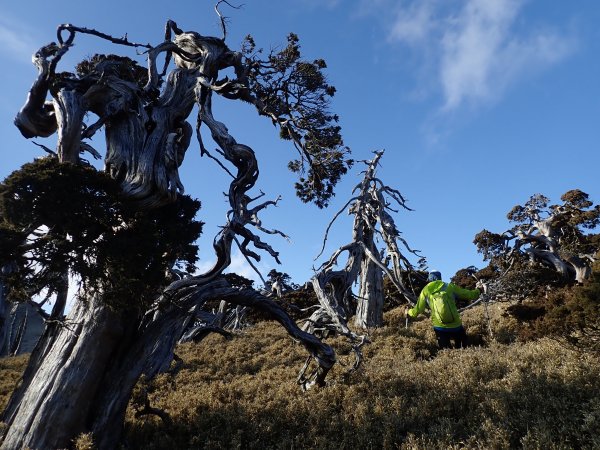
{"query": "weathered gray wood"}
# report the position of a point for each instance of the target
(369, 311)
(365, 263)
(65, 379)
(37, 117)
(541, 241)
(82, 372)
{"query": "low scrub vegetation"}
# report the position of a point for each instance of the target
(514, 388)
(569, 314)
(241, 394)
(10, 373)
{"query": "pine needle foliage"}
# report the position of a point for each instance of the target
(295, 93)
(58, 218)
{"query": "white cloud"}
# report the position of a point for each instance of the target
(475, 46)
(16, 43)
(471, 49)
(239, 265)
(414, 23)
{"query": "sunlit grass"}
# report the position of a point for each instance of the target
(242, 393)
(10, 374)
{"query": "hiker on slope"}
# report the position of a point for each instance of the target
(439, 298)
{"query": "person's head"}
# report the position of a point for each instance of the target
(434, 275)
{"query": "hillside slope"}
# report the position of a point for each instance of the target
(241, 394)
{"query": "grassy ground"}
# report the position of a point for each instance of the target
(10, 373)
(501, 394)
(241, 394)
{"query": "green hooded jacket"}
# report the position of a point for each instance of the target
(455, 291)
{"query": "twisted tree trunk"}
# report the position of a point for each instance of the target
(83, 370)
(365, 262)
(53, 402)
(542, 241)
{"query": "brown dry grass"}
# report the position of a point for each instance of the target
(10, 374)
(241, 394)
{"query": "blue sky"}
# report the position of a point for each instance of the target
(478, 104)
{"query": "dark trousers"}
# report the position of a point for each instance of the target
(445, 338)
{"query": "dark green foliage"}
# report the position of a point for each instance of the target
(488, 273)
(594, 240)
(238, 280)
(580, 209)
(489, 244)
(465, 277)
(120, 66)
(569, 313)
(295, 94)
(526, 311)
(60, 217)
(536, 204)
(284, 279)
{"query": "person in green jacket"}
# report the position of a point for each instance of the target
(439, 298)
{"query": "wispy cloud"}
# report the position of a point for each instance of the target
(413, 23)
(482, 56)
(240, 266)
(475, 49)
(17, 43)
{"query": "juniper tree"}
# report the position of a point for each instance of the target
(132, 308)
(547, 243)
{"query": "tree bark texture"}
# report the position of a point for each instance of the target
(83, 370)
(365, 261)
(369, 310)
(60, 384)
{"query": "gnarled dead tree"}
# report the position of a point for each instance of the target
(82, 372)
(370, 207)
(549, 237)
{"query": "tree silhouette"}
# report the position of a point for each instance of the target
(545, 239)
(123, 233)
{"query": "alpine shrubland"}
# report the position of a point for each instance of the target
(517, 390)
(126, 235)
(504, 393)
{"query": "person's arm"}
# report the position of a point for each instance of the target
(419, 307)
(465, 294)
